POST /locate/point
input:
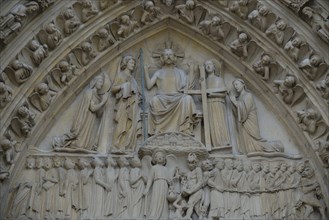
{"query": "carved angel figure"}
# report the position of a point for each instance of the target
(293, 47)
(323, 87)
(88, 10)
(277, 31)
(71, 21)
(18, 72)
(37, 52)
(61, 75)
(85, 53)
(85, 131)
(104, 39)
(308, 119)
(259, 17)
(42, 97)
(213, 27)
(124, 27)
(128, 121)
(23, 122)
(311, 66)
(150, 13)
(318, 23)
(290, 91)
(186, 11)
(240, 8)
(248, 120)
(23, 192)
(159, 176)
(5, 94)
(240, 46)
(15, 19)
(262, 67)
(51, 36)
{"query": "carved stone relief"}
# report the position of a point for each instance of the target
(174, 131)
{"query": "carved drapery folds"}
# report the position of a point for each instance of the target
(250, 32)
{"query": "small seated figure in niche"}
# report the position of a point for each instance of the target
(15, 19)
(240, 46)
(85, 53)
(318, 23)
(68, 71)
(150, 13)
(88, 10)
(308, 119)
(104, 39)
(19, 72)
(23, 122)
(42, 97)
(38, 52)
(293, 47)
(277, 31)
(323, 87)
(248, 121)
(51, 36)
(213, 28)
(240, 8)
(287, 88)
(71, 21)
(7, 145)
(5, 94)
(126, 27)
(310, 66)
(186, 11)
(258, 17)
(262, 67)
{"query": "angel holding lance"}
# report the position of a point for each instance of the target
(127, 118)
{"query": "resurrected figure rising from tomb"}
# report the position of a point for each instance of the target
(170, 109)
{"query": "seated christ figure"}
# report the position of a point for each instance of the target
(170, 110)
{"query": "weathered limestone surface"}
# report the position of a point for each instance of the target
(164, 109)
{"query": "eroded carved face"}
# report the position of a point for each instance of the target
(131, 65)
(238, 86)
(57, 163)
(160, 158)
(168, 2)
(168, 56)
(243, 37)
(290, 81)
(38, 163)
(30, 164)
(210, 67)
(99, 83)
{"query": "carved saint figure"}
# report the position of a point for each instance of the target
(7, 146)
(293, 47)
(277, 31)
(150, 13)
(310, 66)
(323, 87)
(186, 11)
(213, 28)
(127, 26)
(248, 121)
(319, 24)
(70, 189)
(85, 132)
(24, 189)
(216, 91)
(85, 53)
(71, 21)
(258, 17)
(85, 188)
(14, 20)
(240, 46)
(240, 8)
(170, 109)
(111, 178)
(124, 188)
(262, 67)
(38, 200)
(137, 183)
(88, 10)
(127, 118)
(286, 88)
(5, 94)
(23, 122)
(308, 119)
(105, 39)
(53, 36)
